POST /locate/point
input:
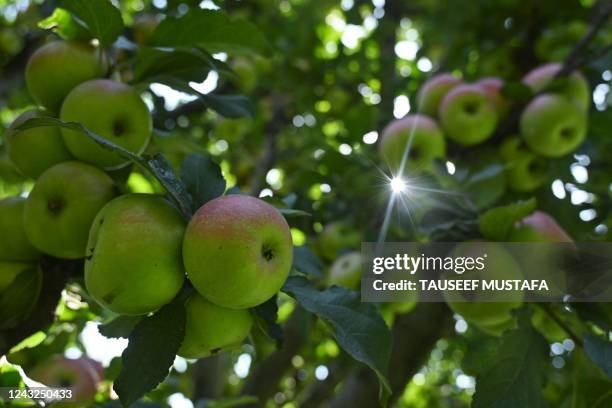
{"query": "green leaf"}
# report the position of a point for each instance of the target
(358, 327)
(152, 348)
(497, 223)
(168, 65)
(102, 19)
(18, 299)
(266, 316)
(516, 91)
(230, 106)
(293, 213)
(600, 351)
(120, 326)
(163, 171)
(65, 25)
(485, 184)
(203, 179)
(228, 402)
(213, 30)
(307, 262)
(514, 378)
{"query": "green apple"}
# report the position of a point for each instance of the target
(62, 205)
(133, 264)
(346, 271)
(210, 329)
(482, 310)
(114, 111)
(468, 115)
(539, 227)
(237, 251)
(493, 87)
(525, 171)
(433, 91)
(335, 237)
(14, 244)
(57, 67)
(417, 133)
(35, 150)
(552, 126)
(62, 372)
(574, 87)
(556, 42)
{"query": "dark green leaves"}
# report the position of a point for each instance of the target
(213, 30)
(307, 262)
(100, 17)
(514, 377)
(18, 299)
(162, 170)
(266, 316)
(600, 351)
(152, 348)
(120, 326)
(168, 65)
(203, 179)
(230, 106)
(358, 327)
(497, 223)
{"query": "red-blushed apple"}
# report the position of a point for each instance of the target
(133, 264)
(552, 126)
(35, 150)
(346, 271)
(420, 135)
(493, 87)
(467, 114)
(432, 91)
(237, 251)
(525, 171)
(210, 329)
(62, 205)
(14, 244)
(112, 110)
(539, 227)
(575, 87)
(57, 67)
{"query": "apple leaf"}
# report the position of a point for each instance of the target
(230, 106)
(18, 299)
(120, 326)
(65, 25)
(163, 171)
(266, 316)
(600, 351)
(212, 29)
(307, 262)
(516, 91)
(515, 376)
(102, 19)
(203, 179)
(167, 65)
(485, 184)
(497, 223)
(293, 213)
(358, 327)
(152, 347)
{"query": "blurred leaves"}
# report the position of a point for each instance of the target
(102, 19)
(600, 351)
(307, 262)
(120, 326)
(497, 223)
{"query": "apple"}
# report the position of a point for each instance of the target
(552, 126)
(210, 329)
(525, 171)
(114, 111)
(35, 150)
(237, 251)
(335, 237)
(468, 115)
(62, 205)
(575, 86)
(133, 264)
(539, 227)
(417, 133)
(556, 42)
(62, 372)
(346, 271)
(57, 67)
(482, 310)
(14, 244)
(493, 87)
(433, 91)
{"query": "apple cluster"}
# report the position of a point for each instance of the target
(551, 125)
(138, 250)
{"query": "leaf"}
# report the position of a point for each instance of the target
(293, 213)
(18, 299)
(600, 351)
(516, 91)
(152, 348)
(162, 170)
(230, 106)
(102, 19)
(120, 326)
(211, 29)
(497, 223)
(228, 402)
(203, 179)
(514, 378)
(485, 184)
(266, 316)
(65, 25)
(359, 328)
(307, 262)
(168, 65)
